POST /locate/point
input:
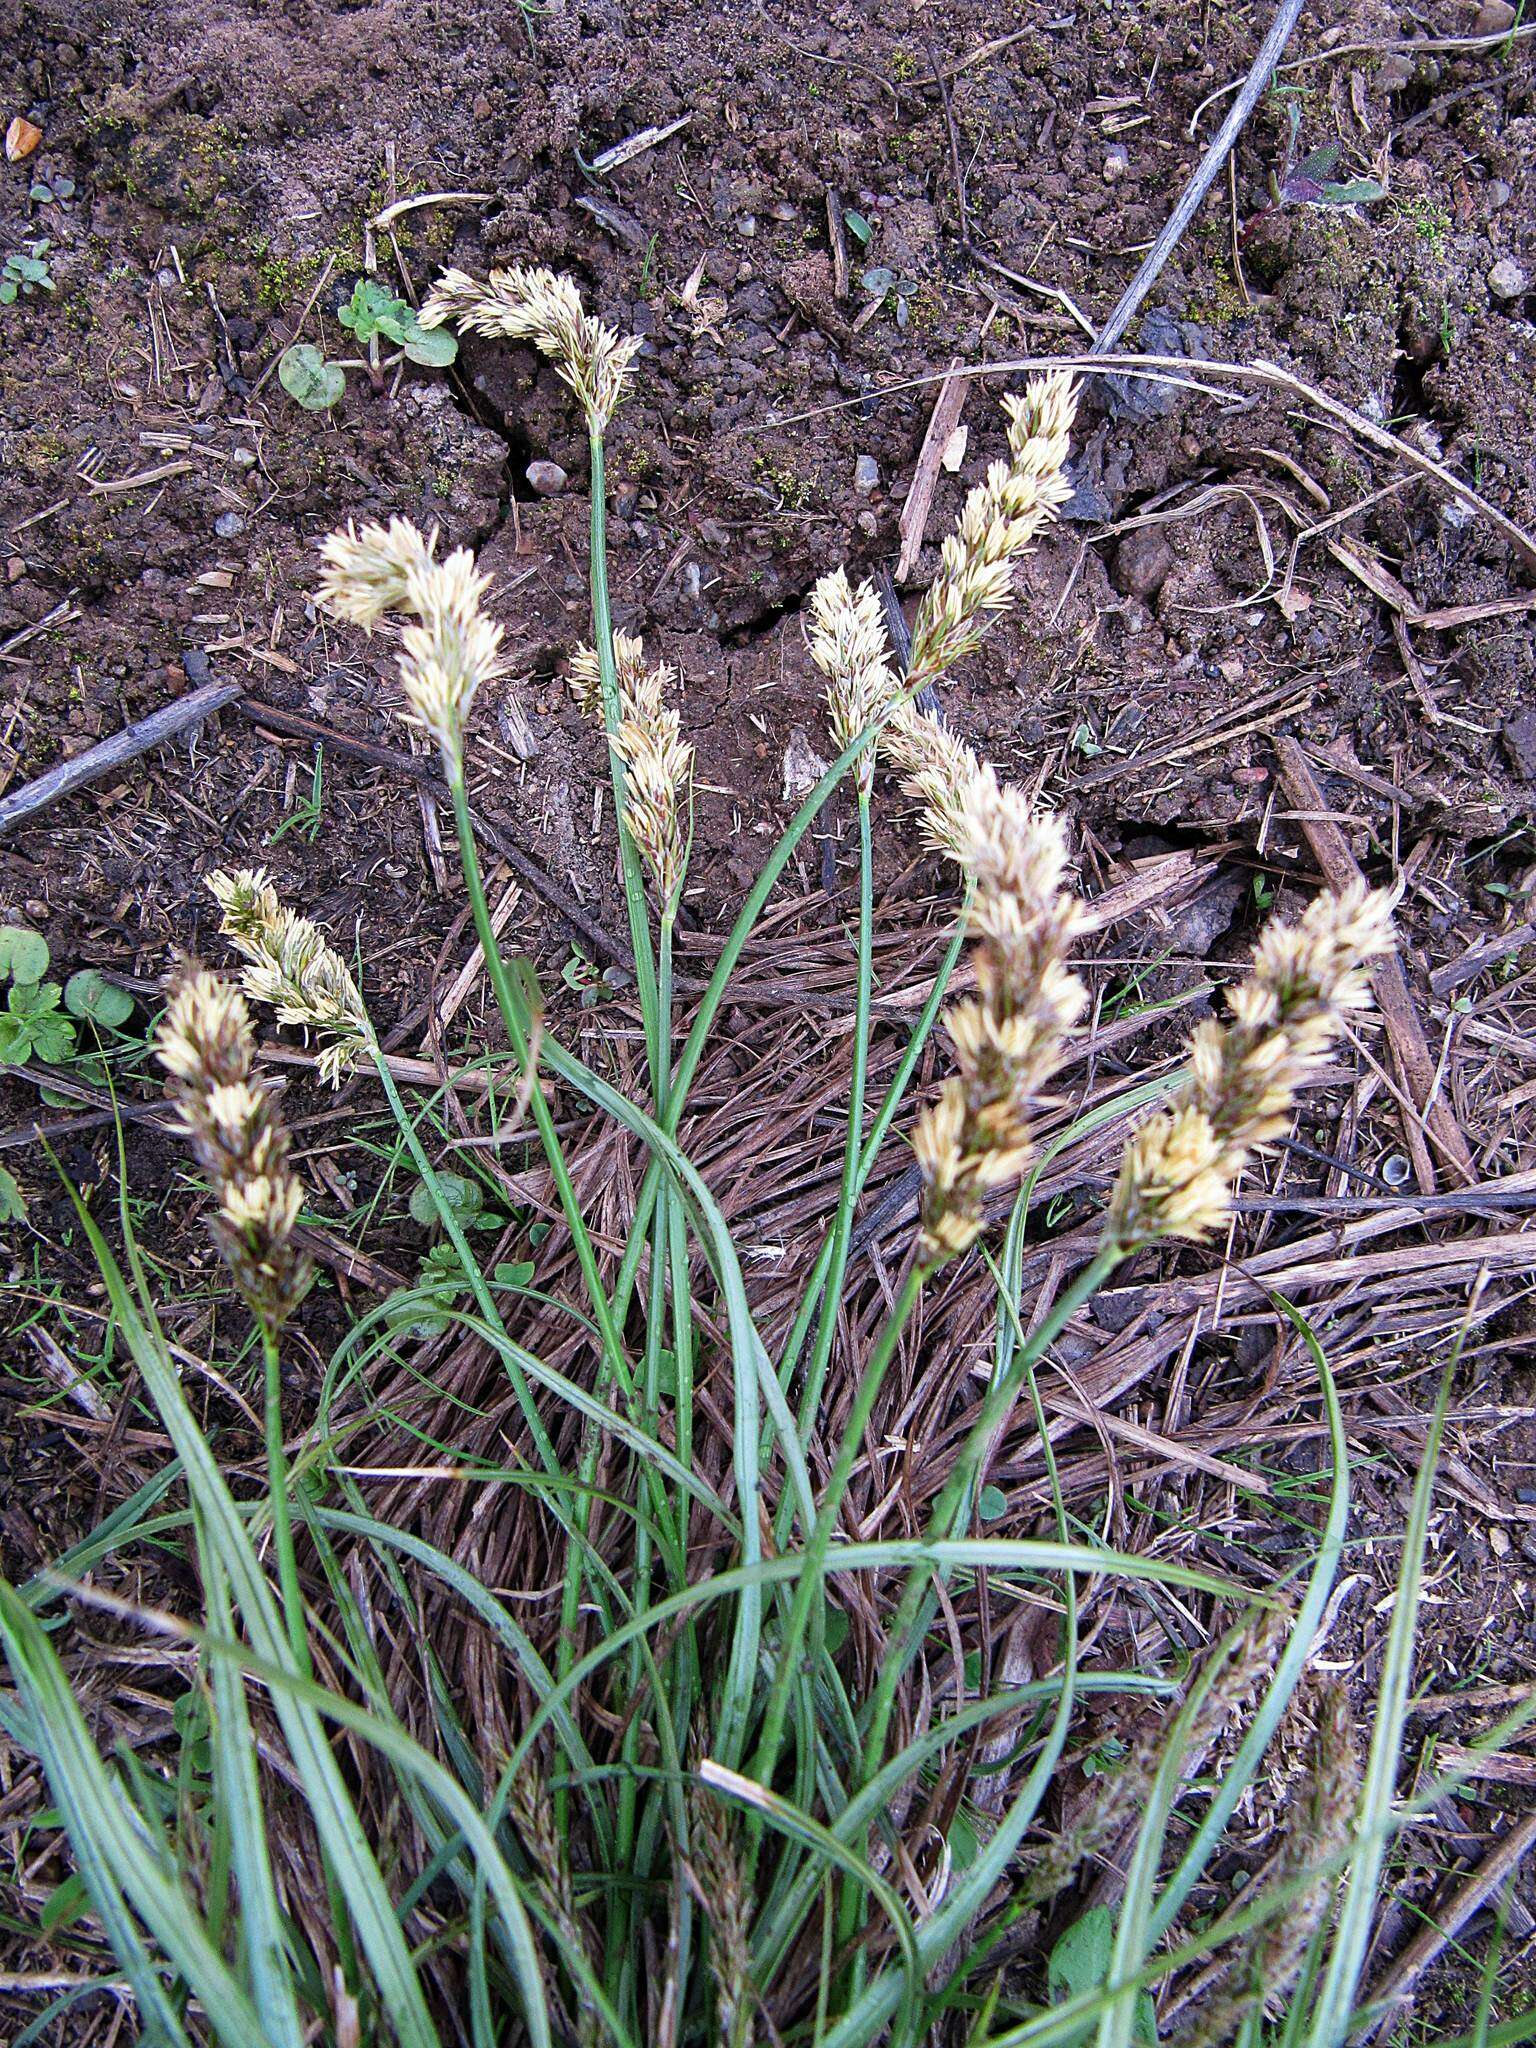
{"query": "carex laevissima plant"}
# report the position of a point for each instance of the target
(676, 1809)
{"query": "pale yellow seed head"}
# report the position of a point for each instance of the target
(290, 965)
(367, 570)
(850, 646)
(539, 306)
(205, 1033)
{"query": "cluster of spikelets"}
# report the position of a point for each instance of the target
(449, 651)
(541, 307)
(206, 1047)
(1000, 519)
(1266, 1962)
(1244, 1075)
(1009, 1037)
(658, 761)
(290, 964)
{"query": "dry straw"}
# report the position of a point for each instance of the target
(206, 1047)
(451, 650)
(290, 965)
(538, 306)
(1244, 1076)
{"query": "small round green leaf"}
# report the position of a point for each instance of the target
(434, 346)
(992, 1504)
(23, 954)
(91, 996)
(306, 376)
(463, 1197)
(409, 1316)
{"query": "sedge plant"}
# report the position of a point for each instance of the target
(686, 1820)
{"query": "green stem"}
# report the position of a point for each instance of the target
(277, 1495)
(514, 1016)
(842, 1227)
(884, 1117)
(808, 1585)
(905, 1637)
(467, 1259)
(629, 857)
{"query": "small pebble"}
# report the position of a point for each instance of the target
(548, 479)
(1506, 280)
(866, 475)
(244, 458)
(1116, 164)
(747, 225)
(1498, 195)
(1493, 18)
(228, 524)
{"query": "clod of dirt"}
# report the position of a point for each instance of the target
(1519, 737)
(1506, 280)
(1143, 562)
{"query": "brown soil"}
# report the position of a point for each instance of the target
(162, 496)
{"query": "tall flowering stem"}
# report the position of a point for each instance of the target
(531, 304)
(446, 655)
(207, 1049)
(290, 964)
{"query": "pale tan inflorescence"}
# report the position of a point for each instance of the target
(544, 308)
(1244, 1076)
(291, 965)
(205, 1044)
(849, 645)
(658, 761)
(1008, 1038)
(450, 650)
(1001, 517)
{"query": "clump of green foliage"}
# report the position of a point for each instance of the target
(700, 1822)
(373, 312)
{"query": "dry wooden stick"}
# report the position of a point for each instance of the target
(139, 738)
(1410, 1049)
(1500, 1864)
(944, 419)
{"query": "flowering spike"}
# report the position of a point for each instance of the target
(205, 1045)
(1176, 1176)
(451, 649)
(290, 965)
(1008, 1038)
(538, 306)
